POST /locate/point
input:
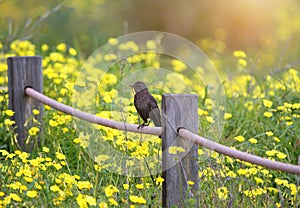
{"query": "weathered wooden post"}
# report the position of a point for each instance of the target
(24, 71)
(179, 110)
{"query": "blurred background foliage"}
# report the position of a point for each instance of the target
(268, 30)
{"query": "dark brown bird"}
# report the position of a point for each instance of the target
(146, 105)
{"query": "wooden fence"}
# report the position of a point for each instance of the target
(25, 94)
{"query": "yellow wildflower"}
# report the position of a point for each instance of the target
(103, 205)
(31, 194)
(137, 199)
(139, 186)
(173, 150)
(227, 116)
(268, 114)
(113, 41)
(210, 119)
(178, 65)
(223, 193)
(159, 180)
(126, 186)
(239, 138)
(33, 131)
(239, 54)
(45, 149)
(110, 190)
(113, 202)
(35, 112)
(267, 103)
(269, 133)
(252, 140)
(9, 112)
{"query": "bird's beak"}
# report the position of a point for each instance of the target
(131, 86)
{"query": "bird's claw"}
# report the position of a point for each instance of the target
(142, 125)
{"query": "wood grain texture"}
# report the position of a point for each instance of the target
(179, 110)
(25, 71)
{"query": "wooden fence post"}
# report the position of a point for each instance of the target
(179, 110)
(24, 71)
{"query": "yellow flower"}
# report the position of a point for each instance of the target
(61, 47)
(242, 62)
(31, 194)
(173, 150)
(252, 140)
(239, 138)
(44, 47)
(84, 185)
(281, 155)
(137, 199)
(113, 41)
(113, 202)
(268, 114)
(33, 131)
(2, 193)
(90, 200)
(28, 179)
(80, 199)
(178, 65)
(35, 112)
(53, 123)
(191, 183)
(9, 112)
(126, 186)
(258, 180)
(9, 122)
(159, 180)
(239, 54)
(227, 116)
(267, 103)
(110, 190)
(72, 52)
(281, 182)
(289, 123)
(151, 45)
(15, 197)
(223, 193)
(47, 107)
(210, 119)
(101, 158)
(276, 139)
(45, 149)
(60, 156)
(269, 133)
(293, 189)
(139, 186)
(271, 152)
(231, 174)
(76, 141)
(103, 205)
(54, 188)
(110, 57)
(57, 166)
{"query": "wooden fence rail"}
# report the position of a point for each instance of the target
(180, 122)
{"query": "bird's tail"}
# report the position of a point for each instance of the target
(155, 117)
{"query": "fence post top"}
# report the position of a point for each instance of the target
(24, 57)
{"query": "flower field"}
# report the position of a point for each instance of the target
(260, 115)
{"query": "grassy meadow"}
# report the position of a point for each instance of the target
(260, 115)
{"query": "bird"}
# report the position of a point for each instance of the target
(146, 105)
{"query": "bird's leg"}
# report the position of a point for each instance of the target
(144, 124)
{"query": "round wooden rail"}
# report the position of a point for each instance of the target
(183, 133)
